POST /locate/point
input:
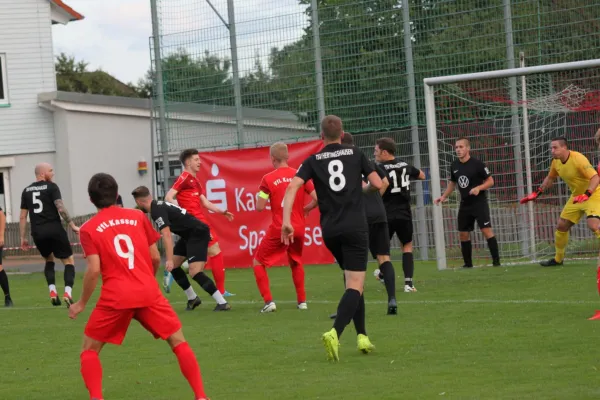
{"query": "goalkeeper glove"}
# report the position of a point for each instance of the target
(531, 197)
(582, 197)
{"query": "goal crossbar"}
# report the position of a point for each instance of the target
(429, 88)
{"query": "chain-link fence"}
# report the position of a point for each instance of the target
(239, 73)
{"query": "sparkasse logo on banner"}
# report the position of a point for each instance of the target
(231, 180)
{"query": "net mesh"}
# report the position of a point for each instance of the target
(561, 104)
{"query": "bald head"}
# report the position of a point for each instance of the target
(43, 171)
(279, 151)
(332, 128)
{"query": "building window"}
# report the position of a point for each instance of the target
(3, 81)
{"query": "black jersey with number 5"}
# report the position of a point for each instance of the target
(337, 172)
(397, 196)
(38, 199)
(181, 223)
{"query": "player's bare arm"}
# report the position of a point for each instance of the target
(421, 176)
(23, 229)
(261, 202)
(171, 194)
(287, 231)
(374, 184)
(314, 203)
(449, 189)
(168, 242)
(488, 183)
(211, 207)
(155, 257)
(62, 211)
(545, 186)
(385, 183)
(90, 281)
(2, 227)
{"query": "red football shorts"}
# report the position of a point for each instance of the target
(271, 249)
(109, 325)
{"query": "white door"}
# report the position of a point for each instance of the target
(5, 193)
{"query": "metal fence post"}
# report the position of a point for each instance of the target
(237, 90)
(318, 61)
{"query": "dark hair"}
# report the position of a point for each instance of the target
(119, 201)
(465, 139)
(332, 127)
(103, 190)
(348, 139)
(140, 192)
(186, 154)
(386, 144)
(562, 140)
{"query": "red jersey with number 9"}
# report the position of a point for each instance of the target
(121, 237)
(189, 190)
(274, 185)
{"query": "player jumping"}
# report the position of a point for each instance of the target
(272, 187)
(120, 245)
(192, 245)
(43, 202)
(582, 178)
(190, 196)
(337, 172)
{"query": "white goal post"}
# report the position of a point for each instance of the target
(516, 134)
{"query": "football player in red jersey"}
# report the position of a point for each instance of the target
(272, 188)
(120, 245)
(191, 197)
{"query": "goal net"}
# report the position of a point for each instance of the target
(510, 117)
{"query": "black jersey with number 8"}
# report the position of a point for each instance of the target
(337, 172)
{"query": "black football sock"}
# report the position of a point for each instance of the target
(209, 287)
(408, 266)
(4, 283)
(346, 310)
(359, 317)
(49, 273)
(467, 253)
(180, 277)
(69, 275)
(493, 245)
(389, 279)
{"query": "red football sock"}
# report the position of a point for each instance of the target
(598, 278)
(91, 370)
(262, 281)
(298, 277)
(190, 368)
(218, 270)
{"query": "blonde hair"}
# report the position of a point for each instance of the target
(279, 151)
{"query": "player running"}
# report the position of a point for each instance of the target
(191, 196)
(43, 202)
(474, 180)
(397, 207)
(337, 172)
(582, 178)
(192, 245)
(3, 277)
(120, 245)
(272, 188)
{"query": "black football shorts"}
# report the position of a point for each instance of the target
(403, 228)
(379, 239)
(351, 250)
(52, 239)
(195, 247)
(468, 214)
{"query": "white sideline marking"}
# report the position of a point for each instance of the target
(467, 301)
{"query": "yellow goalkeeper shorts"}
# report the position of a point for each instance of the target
(574, 212)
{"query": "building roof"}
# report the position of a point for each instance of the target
(75, 16)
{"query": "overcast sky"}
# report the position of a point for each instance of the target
(115, 34)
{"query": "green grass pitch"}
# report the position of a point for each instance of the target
(488, 333)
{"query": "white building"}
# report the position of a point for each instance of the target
(81, 134)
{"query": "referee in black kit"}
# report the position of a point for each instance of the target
(473, 179)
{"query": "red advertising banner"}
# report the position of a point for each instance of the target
(231, 180)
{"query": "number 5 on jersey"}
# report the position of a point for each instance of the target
(404, 181)
(39, 206)
(121, 238)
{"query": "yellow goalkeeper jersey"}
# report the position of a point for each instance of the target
(576, 172)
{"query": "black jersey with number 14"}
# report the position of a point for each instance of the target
(397, 196)
(38, 199)
(337, 172)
